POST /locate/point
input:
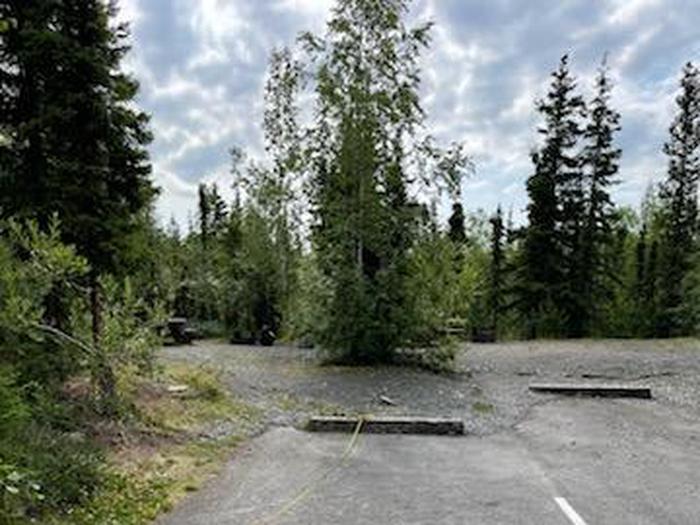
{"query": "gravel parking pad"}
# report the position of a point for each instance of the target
(528, 458)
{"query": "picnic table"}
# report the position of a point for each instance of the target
(179, 329)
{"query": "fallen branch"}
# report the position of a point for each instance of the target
(62, 335)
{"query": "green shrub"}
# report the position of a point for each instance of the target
(18, 494)
(304, 317)
(13, 410)
(124, 500)
(35, 272)
(17, 491)
(439, 358)
(49, 463)
(50, 470)
(68, 467)
(41, 468)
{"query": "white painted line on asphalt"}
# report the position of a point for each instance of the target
(569, 511)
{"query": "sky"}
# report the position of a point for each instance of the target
(202, 64)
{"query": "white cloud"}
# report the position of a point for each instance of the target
(313, 8)
(129, 11)
(633, 50)
(176, 86)
(216, 21)
(223, 29)
(522, 105)
(626, 12)
(208, 56)
(202, 65)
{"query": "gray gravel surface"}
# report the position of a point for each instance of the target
(488, 388)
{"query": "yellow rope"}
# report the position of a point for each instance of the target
(309, 487)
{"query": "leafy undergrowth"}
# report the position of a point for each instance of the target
(171, 451)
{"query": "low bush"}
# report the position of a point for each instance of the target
(43, 470)
(66, 466)
(439, 359)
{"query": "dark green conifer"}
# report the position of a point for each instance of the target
(679, 199)
(555, 209)
(497, 268)
(76, 144)
(600, 163)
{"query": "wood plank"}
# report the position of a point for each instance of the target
(387, 425)
(592, 390)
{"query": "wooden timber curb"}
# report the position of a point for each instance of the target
(593, 390)
(388, 425)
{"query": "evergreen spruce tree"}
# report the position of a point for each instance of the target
(213, 212)
(640, 267)
(77, 144)
(219, 210)
(555, 210)
(539, 272)
(27, 45)
(497, 269)
(600, 160)
(651, 291)
(204, 214)
(564, 115)
(645, 283)
(678, 195)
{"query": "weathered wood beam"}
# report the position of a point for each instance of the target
(387, 425)
(592, 390)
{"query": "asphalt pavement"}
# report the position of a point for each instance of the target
(568, 461)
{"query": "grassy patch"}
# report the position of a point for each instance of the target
(138, 490)
(202, 402)
(165, 456)
(482, 408)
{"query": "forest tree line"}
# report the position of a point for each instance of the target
(333, 239)
(581, 265)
